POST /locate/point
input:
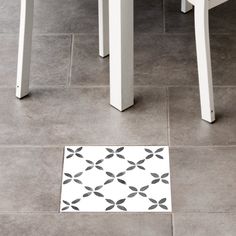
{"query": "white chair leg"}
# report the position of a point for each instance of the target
(121, 53)
(204, 60)
(186, 6)
(103, 23)
(25, 45)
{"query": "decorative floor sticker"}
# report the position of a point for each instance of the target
(116, 179)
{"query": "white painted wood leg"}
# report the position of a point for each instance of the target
(25, 45)
(121, 29)
(186, 6)
(204, 60)
(103, 23)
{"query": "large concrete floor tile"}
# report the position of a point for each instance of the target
(85, 224)
(210, 224)
(148, 16)
(88, 68)
(71, 16)
(82, 116)
(177, 22)
(165, 60)
(8, 58)
(203, 179)
(52, 16)
(186, 126)
(223, 54)
(10, 16)
(171, 60)
(50, 60)
(30, 179)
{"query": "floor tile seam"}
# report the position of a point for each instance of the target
(107, 86)
(69, 73)
(166, 33)
(117, 144)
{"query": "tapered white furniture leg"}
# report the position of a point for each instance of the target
(103, 25)
(204, 60)
(121, 53)
(24, 51)
(186, 6)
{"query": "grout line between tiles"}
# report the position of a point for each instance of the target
(27, 212)
(71, 61)
(202, 212)
(107, 86)
(117, 144)
(80, 213)
(62, 166)
(114, 213)
(164, 16)
(164, 33)
(168, 117)
(172, 224)
(206, 146)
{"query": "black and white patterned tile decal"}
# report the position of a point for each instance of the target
(116, 179)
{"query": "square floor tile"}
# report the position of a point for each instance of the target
(203, 179)
(10, 16)
(58, 16)
(50, 60)
(165, 60)
(148, 16)
(186, 126)
(210, 224)
(71, 16)
(88, 68)
(130, 178)
(30, 179)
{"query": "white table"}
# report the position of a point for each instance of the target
(115, 28)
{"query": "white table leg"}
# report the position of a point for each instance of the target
(121, 53)
(186, 6)
(25, 44)
(103, 23)
(204, 60)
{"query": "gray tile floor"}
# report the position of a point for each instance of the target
(68, 105)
